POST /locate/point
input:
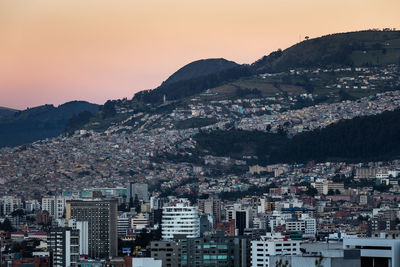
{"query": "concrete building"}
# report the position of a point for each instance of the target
(213, 249)
(137, 189)
(64, 242)
(123, 224)
(179, 218)
(166, 251)
(272, 245)
(295, 226)
(55, 205)
(376, 251)
(83, 227)
(212, 207)
(101, 216)
(326, 186)
(320, 254)
(243, 217)
(146, 262)
(140, 221)
(8, 204)
(310, 227)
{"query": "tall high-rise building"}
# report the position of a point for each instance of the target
(211, 206)
(101, 216)
(140, 190)
(82, 226)
(64, 242)
(180, 218)
(243, 217)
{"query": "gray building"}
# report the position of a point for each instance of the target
(210, 250)
(166, 251)
(140, 190)
(101, 216)
(320, 254)
(211, 206)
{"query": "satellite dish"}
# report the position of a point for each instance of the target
(307, 37)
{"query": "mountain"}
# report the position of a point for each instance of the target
(200, 68)
(39, 122)
(5, 112)
(363, 48)
(194, 78)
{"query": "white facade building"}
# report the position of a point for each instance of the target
(310, 227)
(179, 218)
(123, 224)
(32, 205)
(55, 205)
(8, 204)
(262, 250)
(83, 227)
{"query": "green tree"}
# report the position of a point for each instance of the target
(6, 226)
(280, 263)
(318, 262)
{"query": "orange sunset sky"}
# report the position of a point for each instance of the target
(53, 51)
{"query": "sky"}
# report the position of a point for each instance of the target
(54, 51)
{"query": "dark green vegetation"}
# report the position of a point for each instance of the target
(40, 122)
(363, 48)
(187, 88)
(370, 138)
(6, 226)
(200, 68)
(78, 121)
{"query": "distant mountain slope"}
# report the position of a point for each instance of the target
(370, 138)
(196, 85)
(363, 48)
(200, 68)
(5, 112)
(40, 122)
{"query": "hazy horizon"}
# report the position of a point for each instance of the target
(58, 51)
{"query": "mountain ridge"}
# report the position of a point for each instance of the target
(40, 122)
(350, 49)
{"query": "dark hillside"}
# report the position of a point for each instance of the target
(5, 112)
(200, 68)
(40, 122)
(371, 138)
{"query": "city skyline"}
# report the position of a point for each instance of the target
(55, 52)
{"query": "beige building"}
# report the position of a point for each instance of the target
(325, 186)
